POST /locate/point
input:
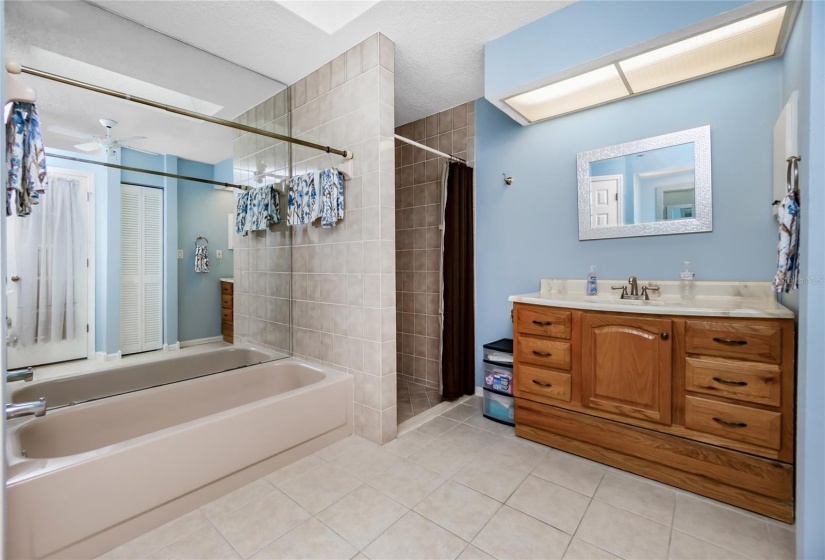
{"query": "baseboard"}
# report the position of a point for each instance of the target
(479, 391)
(197, 341)
(171, 347)
(104, 357)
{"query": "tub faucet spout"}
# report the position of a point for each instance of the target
(15, 410)
(24, 374)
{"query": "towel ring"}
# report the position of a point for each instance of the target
(793, 169)
(198, 238)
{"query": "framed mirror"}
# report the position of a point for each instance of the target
(656, 186)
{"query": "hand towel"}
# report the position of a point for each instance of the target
(302, 199)
(241, 208)
(787, 262)
(201, 259)
(25, 160)
(263, 208)
(332, 197)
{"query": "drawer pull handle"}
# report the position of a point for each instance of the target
(543, 323)
(542, 354)
(542, 383)
(729, 382)
(729, 423)
(729, 341)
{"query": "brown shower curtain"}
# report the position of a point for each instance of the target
(458, 333)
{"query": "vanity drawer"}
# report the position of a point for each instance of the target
(732, 421)
(742, 381)
(543, 352)
(226, 302)
(762, 343)
(543, 382)
(227, 288)
(227, 331)
(534, 320)
(226, 316)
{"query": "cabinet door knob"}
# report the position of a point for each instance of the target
(664, 336)
(542, 354)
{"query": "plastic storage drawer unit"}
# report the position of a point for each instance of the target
(500, 408)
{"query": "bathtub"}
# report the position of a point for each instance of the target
(75, 389)
(84, 479)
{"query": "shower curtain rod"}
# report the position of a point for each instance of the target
(149, 171)
(428, 149)
(14, 67)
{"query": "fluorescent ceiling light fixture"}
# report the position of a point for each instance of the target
(63, 65)
(572, 94)
(732, 45)
(328, 15)
(729, 45)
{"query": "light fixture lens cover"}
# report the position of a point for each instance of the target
(731, 45)
(585, 90)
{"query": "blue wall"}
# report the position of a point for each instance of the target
(804, 71)
(202, 210)
(529, 230)
(595, 28)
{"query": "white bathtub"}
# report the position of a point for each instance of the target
(97, 474)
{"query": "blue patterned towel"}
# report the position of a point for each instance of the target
(302, 200)
(332, 197)
(25, 160)
(201, 259)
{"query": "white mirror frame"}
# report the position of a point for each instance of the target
(703, 210)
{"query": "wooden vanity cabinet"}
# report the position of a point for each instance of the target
(227, 311)
(701, 403)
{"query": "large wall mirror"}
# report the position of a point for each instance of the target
(656, 186)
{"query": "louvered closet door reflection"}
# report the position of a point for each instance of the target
(141, 244)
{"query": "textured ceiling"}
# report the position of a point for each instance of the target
(439, 44)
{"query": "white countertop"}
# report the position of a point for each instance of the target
(717, 299)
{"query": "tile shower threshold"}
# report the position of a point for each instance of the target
(429, 414)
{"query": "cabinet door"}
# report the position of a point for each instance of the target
(626, 366)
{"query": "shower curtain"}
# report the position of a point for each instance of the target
(49, 251)
(458, 293)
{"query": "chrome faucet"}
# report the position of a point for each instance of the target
(15, 410)
(634, 290)
(24, 374)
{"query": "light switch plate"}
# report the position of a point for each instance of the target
(180, 253)
(218, 254)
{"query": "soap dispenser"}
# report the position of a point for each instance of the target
(686, 280)
(592, 288)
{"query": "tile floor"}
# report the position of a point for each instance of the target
(413, 399)
(460, 486)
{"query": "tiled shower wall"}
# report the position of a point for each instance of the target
(418, 176)
(343, 278)
(262, 259)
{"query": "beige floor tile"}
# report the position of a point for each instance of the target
(258, 523)
(623, 533)
(555, 505)
(488, 425)
(473, 553)
(581, 550)
(636, 496)
(437, 426)
(298, 468)
(408, 443)
(360, 556)
(460, 413)
(687, 547)
(740, 532)
(490, 477)
(459, 509)
(362, 515)
(445, 458)
(347, 444)
(516, 453)
(511, 534)
(467, 435)
(312, 540)
(407, 482)
(204, 544)
(783, 541)
(320, 487)
(414, 537)
(156, 539)
(575, 473)
(365, 464)
(236, 499)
